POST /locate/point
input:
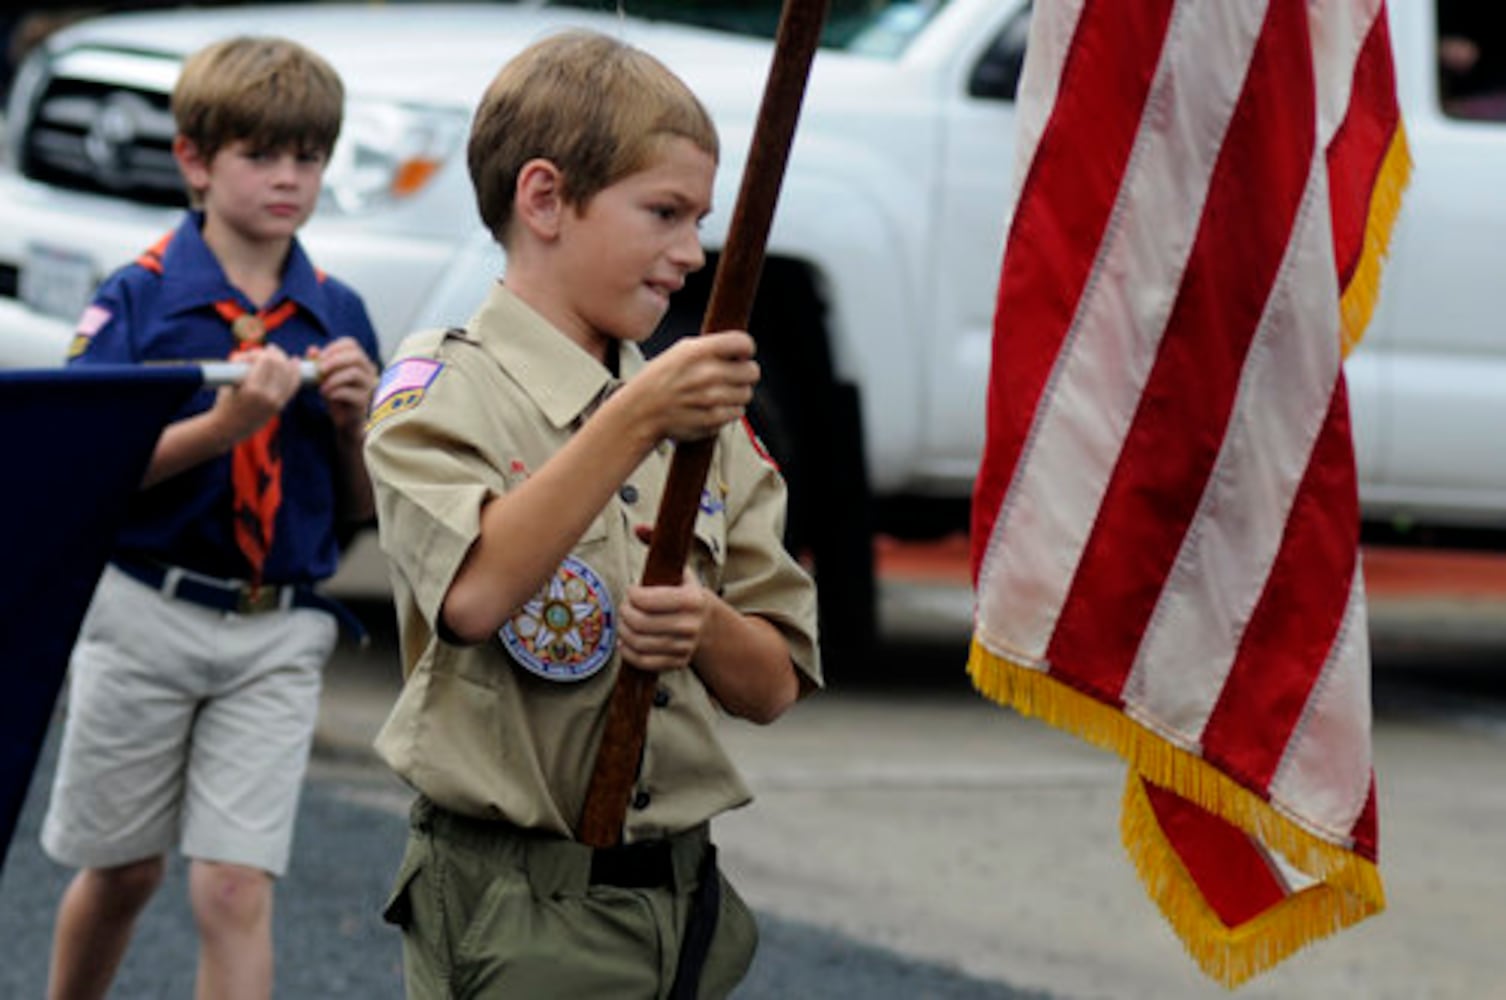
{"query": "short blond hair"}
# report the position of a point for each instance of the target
(268, 91)
(594, 106)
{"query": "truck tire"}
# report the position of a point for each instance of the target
(812, 426)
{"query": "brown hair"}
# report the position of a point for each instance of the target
(270, 92)
(595, 107)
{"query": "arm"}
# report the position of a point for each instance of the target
(238, 412)
(687, 392)
(742, 659)
(347, 378)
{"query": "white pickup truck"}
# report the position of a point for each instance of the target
(875, 307)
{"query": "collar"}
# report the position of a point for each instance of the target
(561, 378)
(193, 278)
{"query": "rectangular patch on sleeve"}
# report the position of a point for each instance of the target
(402, 387)
(90, 323)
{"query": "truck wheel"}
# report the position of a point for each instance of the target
(812, 425)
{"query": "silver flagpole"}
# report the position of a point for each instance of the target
(218, 373)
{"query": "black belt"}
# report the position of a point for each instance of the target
(646, 865)
(235, 595)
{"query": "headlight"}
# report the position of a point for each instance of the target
(24, 87)
(387, 152)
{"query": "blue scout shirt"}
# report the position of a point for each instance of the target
(146, 313)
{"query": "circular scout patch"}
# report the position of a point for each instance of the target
(566, 632)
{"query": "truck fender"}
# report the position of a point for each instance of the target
(861, 270)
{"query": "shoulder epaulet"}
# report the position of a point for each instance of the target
(758, 445)
(96, 316)
(151, 257)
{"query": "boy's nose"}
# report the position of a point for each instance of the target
(687, 251)
(285, 169)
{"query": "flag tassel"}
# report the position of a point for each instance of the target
(1349, 887)
(1358, 301)
(1230, 955)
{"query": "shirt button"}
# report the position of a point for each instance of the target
(661, 698)
(641, 800)
(629, 493)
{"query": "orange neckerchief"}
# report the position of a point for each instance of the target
(256, 463)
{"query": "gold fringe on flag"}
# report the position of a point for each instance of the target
(1230, 955)
(1349, 887)
(1358, 298)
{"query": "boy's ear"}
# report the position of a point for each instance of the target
(539, 199)
(191, 163)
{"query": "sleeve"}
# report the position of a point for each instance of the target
(104, 332)
(353, 320)
(430, 477)
(760, 576)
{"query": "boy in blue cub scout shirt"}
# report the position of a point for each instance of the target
(195, 680)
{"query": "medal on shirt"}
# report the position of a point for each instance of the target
(248, 328)
(567, 630)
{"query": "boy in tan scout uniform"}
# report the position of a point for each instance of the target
(518, 463)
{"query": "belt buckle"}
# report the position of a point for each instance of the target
(254, 599)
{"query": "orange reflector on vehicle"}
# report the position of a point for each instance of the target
(413, 175)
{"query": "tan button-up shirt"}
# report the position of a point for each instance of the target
(462, 417)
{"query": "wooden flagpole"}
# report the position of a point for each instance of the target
(729, 308)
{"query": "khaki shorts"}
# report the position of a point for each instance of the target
(184, 726)
(488, 910)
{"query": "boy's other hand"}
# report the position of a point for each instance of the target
(660, 627)
(700, 383)
(271, 380)
(347, 378)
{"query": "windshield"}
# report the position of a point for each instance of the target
(868, 27)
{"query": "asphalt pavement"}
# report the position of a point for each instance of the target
(866, 842)
(330, 940)
(843, 941)
(906, 911)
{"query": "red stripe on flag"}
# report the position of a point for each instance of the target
(1359, 147)
(1298, 617)
(1065, 202)
(1366, 829)
(1183, 412)
(1232, 874)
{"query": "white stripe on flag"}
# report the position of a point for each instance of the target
(1095, 389)
(1323, 780)
(1339, 29)
(1220, 572)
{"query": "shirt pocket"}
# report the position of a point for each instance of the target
(408, 895)
(708, 552)
(594, 540)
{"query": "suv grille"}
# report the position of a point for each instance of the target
(91, 134)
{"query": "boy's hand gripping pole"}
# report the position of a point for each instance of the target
(729, 308)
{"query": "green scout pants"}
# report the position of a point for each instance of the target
(488, 910)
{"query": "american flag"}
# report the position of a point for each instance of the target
(1166, 520)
